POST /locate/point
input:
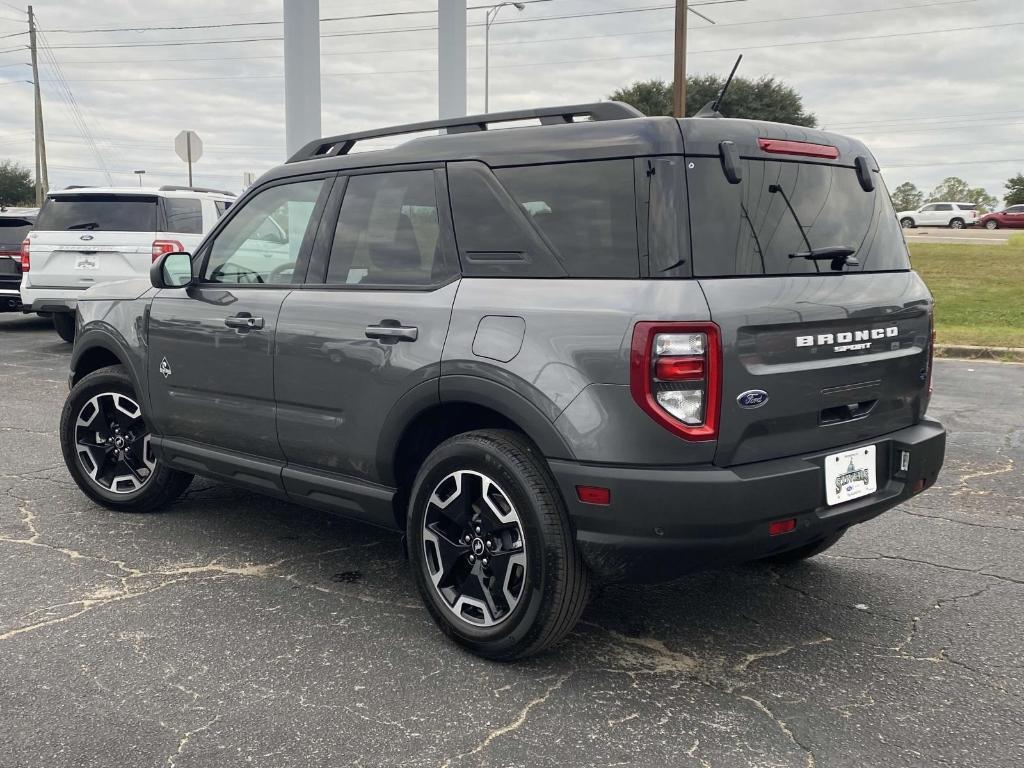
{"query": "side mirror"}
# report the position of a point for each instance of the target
(172, 270)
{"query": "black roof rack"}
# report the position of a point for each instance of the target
(341, 145)
(176, 188)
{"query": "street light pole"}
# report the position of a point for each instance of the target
(492, 14)
(139, 174)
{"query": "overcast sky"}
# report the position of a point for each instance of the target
(935, 87)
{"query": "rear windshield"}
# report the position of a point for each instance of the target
(111, 213)
(12, 231)
(748, 228)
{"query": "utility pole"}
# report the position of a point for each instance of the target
(451, 58)
(679, 81)
(301, 73)
(42, 180)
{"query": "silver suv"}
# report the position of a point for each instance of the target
(601, 348)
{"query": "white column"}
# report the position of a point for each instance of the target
(451, 58)
(301, 73)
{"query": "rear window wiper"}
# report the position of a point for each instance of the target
(840, 256)
(85, 225)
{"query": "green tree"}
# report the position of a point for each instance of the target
(955, 190)
(907, 197)
(16, 185)
(763, 99)
(1015, 191)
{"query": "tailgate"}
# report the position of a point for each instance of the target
(825, 330)
(841, 359)
(65, 260)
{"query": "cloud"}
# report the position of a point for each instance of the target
(929, 104)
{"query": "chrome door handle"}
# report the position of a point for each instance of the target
(244, 322)
(392, 332)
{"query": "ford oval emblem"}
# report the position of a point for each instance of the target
(752, 398)
(85, 237)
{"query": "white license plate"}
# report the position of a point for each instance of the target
(850, 475)
(87, 262)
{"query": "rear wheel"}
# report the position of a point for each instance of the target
(491, 547)
(907, 223)
(991, 224)
(956, 224)
(107, 448)
(806, 551)
(64, 324)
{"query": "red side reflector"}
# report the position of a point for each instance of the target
(802, 148)
(781, 526)
(593, 494)
(679, 368)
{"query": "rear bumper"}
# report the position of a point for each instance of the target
(663, 523)
(50, 299)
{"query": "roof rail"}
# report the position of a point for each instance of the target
(333, 146)
(176, 188)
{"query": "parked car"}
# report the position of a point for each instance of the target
(15, 224)
(1010, 218)
(952, 215)
(602, 348)
(87, 236)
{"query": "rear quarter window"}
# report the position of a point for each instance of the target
(184, 215)
(110, 213)
(586, 211)
(748, 229)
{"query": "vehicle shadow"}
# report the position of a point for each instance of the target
(725, 614)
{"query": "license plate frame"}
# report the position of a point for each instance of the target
(851, 474)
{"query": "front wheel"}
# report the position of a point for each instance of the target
(107, 448)
(957, 224)
(907, 223)
(64, 324)
(991, 224)
(491, 547)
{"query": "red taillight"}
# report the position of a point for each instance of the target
(26, 261)
(160, 247)
(675, 376)
(594, 494)
(802, 148)
(780, 527)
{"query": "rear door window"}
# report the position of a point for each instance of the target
(184, 215)
(587, 212)
(388, 232)
(750, 229)
(98, 212)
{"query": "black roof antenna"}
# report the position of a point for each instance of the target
(711, 108)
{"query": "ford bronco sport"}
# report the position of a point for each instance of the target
(598, 348)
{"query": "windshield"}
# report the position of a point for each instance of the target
(12, 231)
(754, 227)
(111, 213)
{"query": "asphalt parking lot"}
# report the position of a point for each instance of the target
(235, 630)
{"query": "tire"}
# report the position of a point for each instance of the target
(64, 324)
(544, 582)
(136, 483)
(907, 223)
(957, 224)
(805, 552)
(991, 224)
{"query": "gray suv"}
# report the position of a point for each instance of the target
(595, 348)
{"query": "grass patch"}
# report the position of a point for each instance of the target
(978, 289)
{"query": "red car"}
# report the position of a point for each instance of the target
(1012, 217)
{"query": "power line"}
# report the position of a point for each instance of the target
(365, 33)
(533, 41)
(1000, 161)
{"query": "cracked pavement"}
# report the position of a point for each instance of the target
(237, 630)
